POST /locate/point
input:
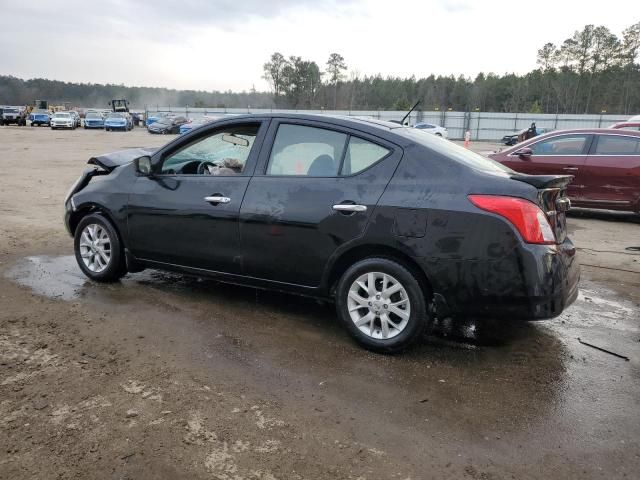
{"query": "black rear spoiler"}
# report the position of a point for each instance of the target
(544, 181)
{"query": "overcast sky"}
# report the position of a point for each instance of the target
(222, 44)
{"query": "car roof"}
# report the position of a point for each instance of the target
(587, 131)
(368, 125)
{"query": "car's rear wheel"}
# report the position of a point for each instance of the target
(98, 249)
(382, 305)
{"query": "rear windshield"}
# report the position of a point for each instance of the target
(455, 152)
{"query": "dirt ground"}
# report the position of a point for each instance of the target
(165, 376)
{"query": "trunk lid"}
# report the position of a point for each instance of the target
(552, 199)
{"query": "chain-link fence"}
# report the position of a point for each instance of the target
(486, 126)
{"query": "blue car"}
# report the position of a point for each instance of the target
(187, 127)
(93, 120)
(118, 121)
(40, 117)
(153, 118)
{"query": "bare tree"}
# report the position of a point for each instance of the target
(335, 67)
(273, 73)
(629, 50)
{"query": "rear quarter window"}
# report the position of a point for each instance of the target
(361, 154)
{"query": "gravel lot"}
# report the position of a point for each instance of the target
(165, 376)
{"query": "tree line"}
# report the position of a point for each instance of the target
(592, 71)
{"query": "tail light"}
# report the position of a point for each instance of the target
(525, 215)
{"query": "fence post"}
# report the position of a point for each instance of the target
(555, 123)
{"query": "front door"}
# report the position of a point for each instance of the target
(557, 155)
(187, 213)
(314, 190)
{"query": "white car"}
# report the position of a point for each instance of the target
(63, 120)
(431, 128)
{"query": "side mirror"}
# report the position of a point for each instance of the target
(524, 152)
(143, 166)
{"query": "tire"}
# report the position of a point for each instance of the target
(403, 330)
(438, 135)
(97, 268)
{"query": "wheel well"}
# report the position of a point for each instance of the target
(82, 212)
(367, 251)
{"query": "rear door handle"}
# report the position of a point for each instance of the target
(345, 207)
(217, 199)
(571, 169)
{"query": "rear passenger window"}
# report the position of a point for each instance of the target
(617, 145)
(563, 145)
(360, 155)
(310, 151)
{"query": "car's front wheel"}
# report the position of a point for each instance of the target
(98, 250)
(382, 305)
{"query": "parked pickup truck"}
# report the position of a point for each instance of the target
(14, 115)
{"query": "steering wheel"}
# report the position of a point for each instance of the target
(202, 168)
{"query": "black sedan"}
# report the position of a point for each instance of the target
(167, 125)
(395, 226)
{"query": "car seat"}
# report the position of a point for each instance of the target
(322, 166)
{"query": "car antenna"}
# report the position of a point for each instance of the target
(401, 122)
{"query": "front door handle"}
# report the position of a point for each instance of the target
(217, 199)
(571, 169)
(345, 207)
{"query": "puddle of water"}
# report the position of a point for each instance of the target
(54, 277)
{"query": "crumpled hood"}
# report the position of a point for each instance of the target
(113, 160)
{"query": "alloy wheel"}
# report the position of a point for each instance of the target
(95, 247)
(379, 305)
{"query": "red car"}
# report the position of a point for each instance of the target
(627, 125)
(605, 164)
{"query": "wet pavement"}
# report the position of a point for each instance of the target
(478, 389)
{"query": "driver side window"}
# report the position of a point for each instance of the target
(223, 152)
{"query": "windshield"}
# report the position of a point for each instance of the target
(455, 152)
(93, 115)
(115, 115)
(11, 110)
(61, 115)
(165, 121)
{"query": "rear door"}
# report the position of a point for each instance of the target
(612, 172)
(314, 190)
(557, 155)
